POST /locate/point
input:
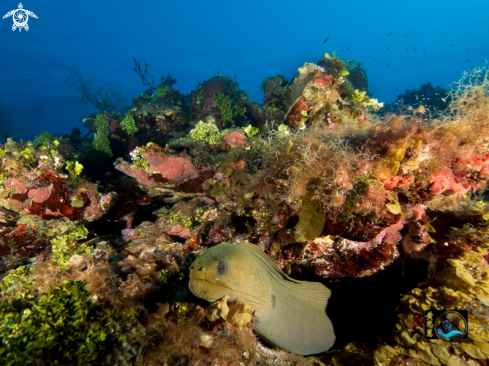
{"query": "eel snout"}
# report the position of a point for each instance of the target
(198, 271)
(200, 268)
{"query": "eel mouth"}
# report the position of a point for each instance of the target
(207, 290)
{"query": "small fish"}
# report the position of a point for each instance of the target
(407, 35)
(387, 48)
(424, 52)
(395, 88)
(388, 65)
(468, 50)
(326, 40)
(389, 34)
(452, 45)
(467, 60)
(414, 49)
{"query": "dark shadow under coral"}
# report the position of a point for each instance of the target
(364, 309)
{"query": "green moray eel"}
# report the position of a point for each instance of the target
(291, 314)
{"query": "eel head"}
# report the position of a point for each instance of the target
(218, 272)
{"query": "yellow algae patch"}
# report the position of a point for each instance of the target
(389, 165)
(311, 221)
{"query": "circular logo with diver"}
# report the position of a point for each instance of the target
(20, 17)
(451, 326)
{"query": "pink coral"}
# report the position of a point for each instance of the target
(140, 175)
(40, 194)
(179, 231)
(172, 167)
(445, 183)
(397, 182)
(20, 188)
(235, 139)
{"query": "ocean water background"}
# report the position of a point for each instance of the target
(430, 41)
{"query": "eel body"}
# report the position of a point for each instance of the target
(291, 314)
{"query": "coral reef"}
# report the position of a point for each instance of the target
(98, 232)
(218, 97)
(428, 102)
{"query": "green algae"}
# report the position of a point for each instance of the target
(65, 326)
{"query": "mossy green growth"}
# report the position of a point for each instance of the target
(65, 246)
(101, 142)
(228, 110)
(272, 109)
(163, 90)
(188, 222)
(207, 132)
(15, 274)
(141, 163)
(305, 117)
(283, 131)
(28, 154)
(180, 312)
(169, 277)
(74, 168)
(44, 139)
(129, 125)
(251, 131)
(363, 99)
(200, 100)
(63, 326)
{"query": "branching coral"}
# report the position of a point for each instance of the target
(106, 97)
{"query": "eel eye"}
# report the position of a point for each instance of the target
(222, 267)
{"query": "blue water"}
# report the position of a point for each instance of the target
(194, 40)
